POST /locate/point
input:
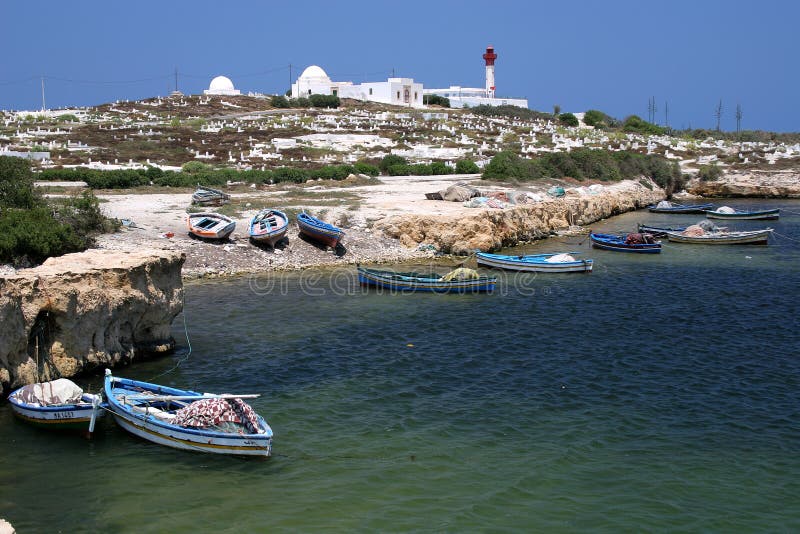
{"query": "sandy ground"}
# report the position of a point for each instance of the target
(158, 214)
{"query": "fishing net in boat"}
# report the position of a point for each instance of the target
(639, 239)
(462, 273)
(708, 226)
(664, 204)
(221, 413)
(560, 258)
(694, 230)
(725, 209)
(61, 391)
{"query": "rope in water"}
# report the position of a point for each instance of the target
(189, 343)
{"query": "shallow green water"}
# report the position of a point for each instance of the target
(658, 393)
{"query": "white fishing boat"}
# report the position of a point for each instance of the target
(59, 404)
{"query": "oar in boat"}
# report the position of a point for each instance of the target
(155, 398)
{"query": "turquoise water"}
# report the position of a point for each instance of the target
(658, 393)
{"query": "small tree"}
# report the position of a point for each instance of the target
(568, 119)
(279, 101)
(16, 184)
(556, 110)
(390, 160)
(467, 166)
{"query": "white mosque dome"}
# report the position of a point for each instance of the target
(314, 73)
(221, 83)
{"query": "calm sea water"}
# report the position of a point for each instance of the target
(658, 393)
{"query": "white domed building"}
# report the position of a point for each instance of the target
(397, 91)
(221, 85)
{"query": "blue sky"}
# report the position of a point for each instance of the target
(611, 55)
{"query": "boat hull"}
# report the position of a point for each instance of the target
(759, 237)
(319, 231)
(697, 208)
(746, 215)
(616, 244)
(402, 282)
(269, 233)
(224, 227)
(147, 425)
(532, 264)
(60, 417)
(658, 231)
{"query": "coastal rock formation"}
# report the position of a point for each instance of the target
(756, 183)
(80, 311)
(491, 229)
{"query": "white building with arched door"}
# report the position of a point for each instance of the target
(395, 91)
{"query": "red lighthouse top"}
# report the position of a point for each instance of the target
(489, 56)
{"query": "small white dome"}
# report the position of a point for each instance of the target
(315, 73)
(221, 83)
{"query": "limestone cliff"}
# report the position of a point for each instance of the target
(756, 183)
(492, 229)
(80, 311)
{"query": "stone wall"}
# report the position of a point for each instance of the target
(492, 229)
(81, 311)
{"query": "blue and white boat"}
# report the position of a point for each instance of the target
(458, 281)
(319, 230)
(620, 243)
(558, 262)
(670, 207)
(268, 226)
(59, 405)
(183, 419)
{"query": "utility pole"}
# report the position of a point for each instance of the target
(290, 78)
(718, 113)
(738, 118)
(666, 113)
(176, 79)
(44, 107)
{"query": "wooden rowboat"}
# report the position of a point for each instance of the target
(617, 243)
(435, 283)
(207, 196)
(183, 419)
(756, 237)
(745, 215)
(535, 263)
(59, 405)
(669, 207)
(210, 225)
(319, 230)
(659, 231)
(268, 226)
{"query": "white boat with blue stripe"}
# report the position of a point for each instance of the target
(556, 262)
(184, 419)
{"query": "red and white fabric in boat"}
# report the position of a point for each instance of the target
(211, 412)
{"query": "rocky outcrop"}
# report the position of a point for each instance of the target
(756, 183)
(491, 229)
(80, 311)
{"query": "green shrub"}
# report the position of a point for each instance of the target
(709, 173)
(324, 101)
(636, 124)
(436, 100)
(598, 119)
(400, 169)
(31, 236)
(466, 166)
(365, 168)
(16, 184)
(279, 101)
(507, 166)
(440, 168)
(391, 160)
(289, 174)
(568, 119)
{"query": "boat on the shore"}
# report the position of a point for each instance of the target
(459, 280)
(666, 206)
(741, 215)
(625, 243)
(557, 262)
(268, 226)
(183, 419)
(755, 237)
(59, 404)
(210, 225)
(319, 230)
(206, 196)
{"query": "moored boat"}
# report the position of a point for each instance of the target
(670, 207)
(658, 231)
(741, 215)
(210, 225)
(319, 230)
(183, 419)
(268, 226)
(536, 263)
(755, 237)
(457, 281)
(625, 243)
(206, 196)
(59, 404)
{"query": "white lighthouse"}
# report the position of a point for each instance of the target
(489, 57)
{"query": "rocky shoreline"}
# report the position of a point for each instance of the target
(755, 184)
